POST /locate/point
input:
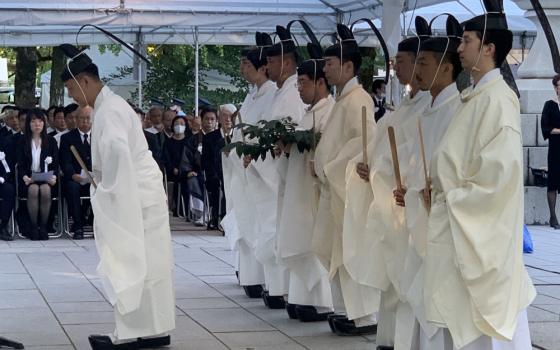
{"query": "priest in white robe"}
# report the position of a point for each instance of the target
(440, 67)
(309, 296)
(265, 176)
(354, 303)
(476, 289)
(131, 225)
(372, 222)
(253, 109)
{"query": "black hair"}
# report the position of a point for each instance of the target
(453, 59)
(70, 109)
(377, 84)
(178, 118)
(9, 107)
(57, 110)
(555, 80)
(502, 40)
(51, 108)
(207, 110)
(31, 114)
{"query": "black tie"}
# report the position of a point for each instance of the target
(86, 143)
(228, 139)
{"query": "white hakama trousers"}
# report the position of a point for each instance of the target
(387, 317)
(361, 302)
(442, 339)
(156, 314)
(277, 278)
(309, 283)
(251, 271)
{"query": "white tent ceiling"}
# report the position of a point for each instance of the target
(51, 22)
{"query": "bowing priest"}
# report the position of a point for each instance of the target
(340, 142)
(240, 224)
(476, 289)
(131, 219)
(439, 68)
(370, 218)
(309, 295)
(265, 175)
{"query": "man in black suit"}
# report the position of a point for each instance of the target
(59, 122)
(211, 159)
(379, 101)
(76, 182)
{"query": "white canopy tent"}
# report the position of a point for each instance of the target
(232, 22)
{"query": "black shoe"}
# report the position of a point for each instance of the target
(345, 327)
(308, 313)
(33, 234)
(332, 317)
(554, 223)
(43, 234)
(78, 234)
(253, 291)
(145, 343)
(273, 302)
(103, 342)
(291, 310)
(5, 235)
(385, 347)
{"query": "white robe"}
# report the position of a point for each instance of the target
(475, 282)
(340, 142)
(267, 187)
(309, 280)
(131, 224)
(245, 239)
(434, 120)
(372, 221)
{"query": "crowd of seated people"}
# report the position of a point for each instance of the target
(188, 149)
(38, 167)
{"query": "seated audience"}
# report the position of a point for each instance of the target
(37, 153)
(76, 182)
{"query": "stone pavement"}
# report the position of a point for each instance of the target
(50, 298)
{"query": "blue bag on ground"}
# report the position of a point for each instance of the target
(527, 241)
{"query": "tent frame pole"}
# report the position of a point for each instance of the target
(196, 49)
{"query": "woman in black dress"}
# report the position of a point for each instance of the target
(172, 152)
(38, 153)
(550, 125)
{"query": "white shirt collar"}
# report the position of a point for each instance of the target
(291, 81)
(84, 133)
(230, 134)
(491, 75)
(445, 94)
(350, 84)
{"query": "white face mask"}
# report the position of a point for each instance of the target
(179, 129)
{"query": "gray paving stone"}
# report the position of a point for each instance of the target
(228, 320)
(54, 339)
(545, 335)
(40, 320)
(258, 340)
(91, 306)
(535, 314)
(21, 299)
(16, 281)
(71, 292)
(335, 342)
(67, 318)
(205, 303)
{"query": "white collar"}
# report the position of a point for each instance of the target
(490, 75)
(260, 91)
(84, 133)
(290, 82)
(224, 134)
(320, 104)
(444, 94)
(350, 84)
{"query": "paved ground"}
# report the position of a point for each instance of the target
(50, 298)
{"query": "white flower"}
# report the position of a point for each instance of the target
(2, 156)
(48, 160)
